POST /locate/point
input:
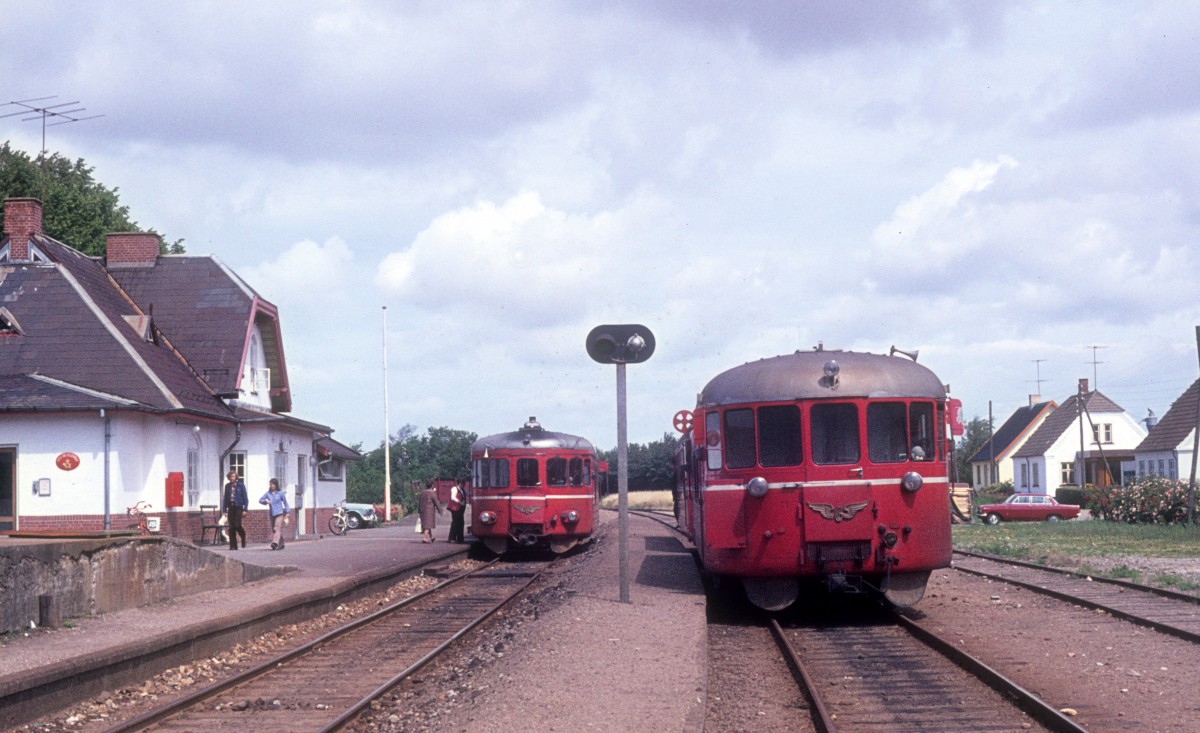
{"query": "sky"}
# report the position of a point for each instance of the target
(1012, 189)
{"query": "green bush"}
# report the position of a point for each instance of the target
(1069, 495)
(1152, 500)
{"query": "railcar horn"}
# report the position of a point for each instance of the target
(910, 354)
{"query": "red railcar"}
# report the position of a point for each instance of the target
(827, 465)
(533, 488)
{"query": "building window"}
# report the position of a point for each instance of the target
(1142, 469)
(301, 477)
(193, 477)
(1024, 475)
(237, 462)
(1036, 473)
(1171, 467)
(1068, 473)
(1162, 469)
(281, 467)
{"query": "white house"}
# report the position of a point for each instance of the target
(1084, 441)
(1168, 451)
(992, 463)
(140, 377)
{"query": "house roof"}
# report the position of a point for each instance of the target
(1010, 432)
(36, 393)
(78, 328)
(1062, 418)
(1176, 425)
(329, 448)
(201, 303)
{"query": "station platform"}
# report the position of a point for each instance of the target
(46, 670)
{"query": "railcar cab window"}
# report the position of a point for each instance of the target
(575, 473)
(887, 432)
(527, 472)
(921, 431)
(491, 473)
(739, 438)
(779, 435)
(835, 438)
(556, 471)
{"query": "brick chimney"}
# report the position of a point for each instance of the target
(22, 220)
(132, 249)
(1083, 386)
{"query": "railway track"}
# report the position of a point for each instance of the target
(325, 684)
(1166, 611)
(884, 672)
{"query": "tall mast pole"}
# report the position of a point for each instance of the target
(387, 435)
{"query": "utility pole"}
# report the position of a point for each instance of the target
(387, 433)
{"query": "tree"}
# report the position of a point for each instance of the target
(651, 466)
(975, 433)
(77, 209)
(440, 453)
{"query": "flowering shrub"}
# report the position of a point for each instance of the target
(1152, 500)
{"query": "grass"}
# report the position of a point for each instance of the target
(641, 500)
(1085, 545)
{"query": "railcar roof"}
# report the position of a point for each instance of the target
(534, 436)
(802, 376)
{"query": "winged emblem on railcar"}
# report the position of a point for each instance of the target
(838, 513)
(525, 508)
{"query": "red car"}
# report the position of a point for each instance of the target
(1028, 508)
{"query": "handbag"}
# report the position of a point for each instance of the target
(419, 530)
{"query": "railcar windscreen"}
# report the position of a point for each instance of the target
(921, 429)
(527, 472)
(779, 435)
(835, 433)
(556, 471)
(576, 471)
(887, 434)
(739, 438)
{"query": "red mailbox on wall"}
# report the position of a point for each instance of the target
(175, 488)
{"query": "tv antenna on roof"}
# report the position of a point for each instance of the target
(55, 112)
(52, 111)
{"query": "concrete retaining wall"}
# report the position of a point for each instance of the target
(91, 576)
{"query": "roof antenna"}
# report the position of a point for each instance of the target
(53, 111)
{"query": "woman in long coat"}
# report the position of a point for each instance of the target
(429, 507)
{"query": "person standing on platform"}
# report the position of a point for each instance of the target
(234, 503)
(277, 502)
(429, 507)
(458, 507)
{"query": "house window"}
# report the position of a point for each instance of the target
(1024, 475)
(301, 476)
(1161, 468)
(1102, 433)
(1036, 473)
(1068, 473)
(1171, 468)
(1142, 469)
(237, 462)
(330, 470)
(193, 477)
(281, 467)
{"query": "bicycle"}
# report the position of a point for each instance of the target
(138, 511)
(338, 523)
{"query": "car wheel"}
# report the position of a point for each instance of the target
(353, 521)
(1053, 518)
(993, 518)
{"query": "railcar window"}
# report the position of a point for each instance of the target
(739, 438)
(835, 434)
(886, 432)
(479, 474)
(556, 471)
(779, 435)
(587, 472)
(712, 439)
(527, 472)
(499, 473)
(576, 472)
(921, 429)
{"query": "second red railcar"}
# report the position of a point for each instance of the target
(533, 488)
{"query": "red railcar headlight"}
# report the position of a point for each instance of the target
(570, 516)
(757, 487)
(912, 481)
(488, 518)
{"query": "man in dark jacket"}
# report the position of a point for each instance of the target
(234, 502)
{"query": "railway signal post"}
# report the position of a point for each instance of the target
(621, 344)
